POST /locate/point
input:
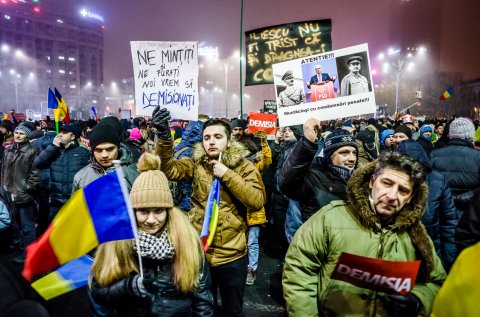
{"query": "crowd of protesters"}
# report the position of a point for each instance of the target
(399, 190)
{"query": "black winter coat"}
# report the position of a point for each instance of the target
(309, 181)
(63, 164)
(459, 162)
(468, 229)
(440, 217)
(18, 174)
(163, 298)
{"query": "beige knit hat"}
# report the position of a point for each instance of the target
(150, 189)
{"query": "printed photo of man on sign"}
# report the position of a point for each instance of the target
(323, 83)
(326, 86)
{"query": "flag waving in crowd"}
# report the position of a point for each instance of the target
(211, 215)
(62, 107)
(447, 94)
(66, 278)
(94, 214)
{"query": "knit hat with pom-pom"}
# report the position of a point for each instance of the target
(150, 189)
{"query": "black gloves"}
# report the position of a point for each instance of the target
(148, 281)
(160, 119)
(404, 306)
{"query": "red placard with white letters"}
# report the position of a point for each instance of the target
(376, 274)
(262, 122)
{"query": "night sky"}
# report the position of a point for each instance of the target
(448, 28)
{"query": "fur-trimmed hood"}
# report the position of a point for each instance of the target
(232, 157)
(409, 218)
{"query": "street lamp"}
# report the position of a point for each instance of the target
(401, 63)
(15, 82)
(226, 67)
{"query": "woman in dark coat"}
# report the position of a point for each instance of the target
(175, 279)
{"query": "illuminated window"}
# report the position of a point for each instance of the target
(7, 17)
(72, 59)
(61, 57)
(73, 86)
(60, 21)
(49, 71)
(48, 57)
(61, 71)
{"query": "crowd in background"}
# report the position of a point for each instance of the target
(273, 184)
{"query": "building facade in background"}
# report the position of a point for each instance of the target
(48, 43)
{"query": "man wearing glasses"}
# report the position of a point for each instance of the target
(354, 83)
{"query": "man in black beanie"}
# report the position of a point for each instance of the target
(105, 147)
(402, 133)
(127, 148)
(315, 181)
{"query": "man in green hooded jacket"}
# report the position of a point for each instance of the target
(381, 219)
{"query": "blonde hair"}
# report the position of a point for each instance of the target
(115, 260)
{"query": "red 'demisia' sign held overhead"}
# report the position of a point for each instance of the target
(262, 122)
(376, 274)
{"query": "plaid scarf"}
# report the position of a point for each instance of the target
(153, 247)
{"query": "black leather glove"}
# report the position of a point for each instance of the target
(402, 306)
(148, 281)
(160, 119)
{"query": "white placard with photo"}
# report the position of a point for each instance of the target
(327, 86)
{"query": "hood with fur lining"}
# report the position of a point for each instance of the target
(408, 219)
(231, 158)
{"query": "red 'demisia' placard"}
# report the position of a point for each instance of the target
(376, 274)
(262, 122)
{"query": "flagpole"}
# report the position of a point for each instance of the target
(131, 214)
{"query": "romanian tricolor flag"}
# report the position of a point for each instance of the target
(94, 111)
(66, 278)
(52, 101)
(3, 116)
(446, 94)
(211, 215)
(62, 107)
(97, 213)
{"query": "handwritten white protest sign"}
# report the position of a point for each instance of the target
(327, 86)
(166, 74)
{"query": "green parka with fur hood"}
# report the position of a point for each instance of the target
(351, 226)
(241, 189)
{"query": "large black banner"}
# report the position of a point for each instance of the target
(279, 43)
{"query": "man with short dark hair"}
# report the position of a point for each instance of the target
(242, 189)
(105, 145)
(21, 178)
(63, 159)
(381, 219)
(292, 95)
